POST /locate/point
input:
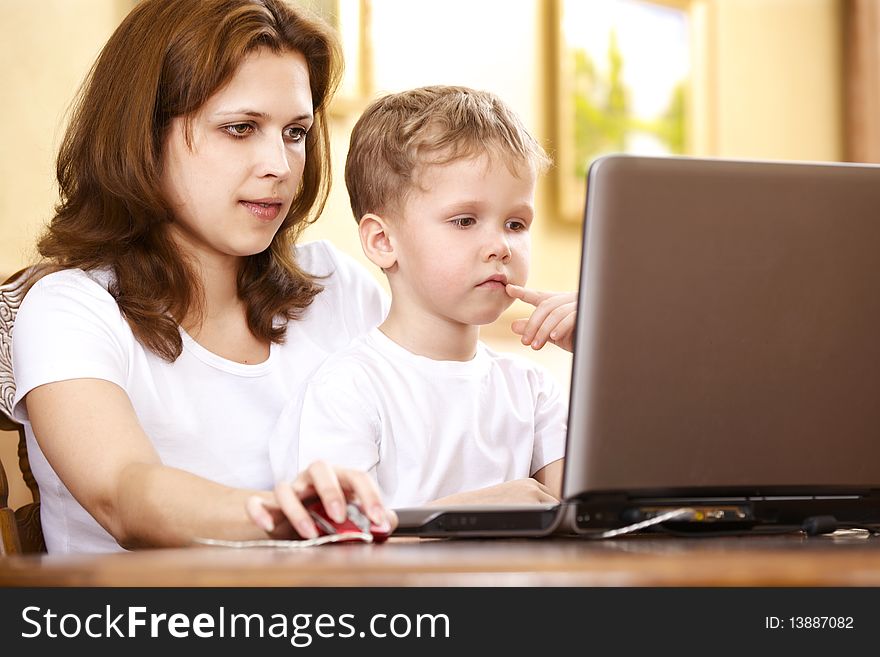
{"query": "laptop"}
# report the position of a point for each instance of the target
(727, 358)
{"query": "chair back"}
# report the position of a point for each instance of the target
(20, 529)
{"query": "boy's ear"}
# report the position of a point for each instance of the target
(376, 241)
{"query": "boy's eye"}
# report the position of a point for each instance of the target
(516, 225)
(464, 222)
(239, 129)
(295, 134)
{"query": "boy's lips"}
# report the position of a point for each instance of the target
(496, 281)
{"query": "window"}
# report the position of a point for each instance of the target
(353, 23)
(623, 81)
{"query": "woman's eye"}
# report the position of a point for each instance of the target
(239, 129)
(295, 134)
(464, 222)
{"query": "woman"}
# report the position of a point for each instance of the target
(155, 351)
(173, 318)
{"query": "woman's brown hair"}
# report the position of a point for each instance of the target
(164, 61)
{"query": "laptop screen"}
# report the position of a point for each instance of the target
(728, 336)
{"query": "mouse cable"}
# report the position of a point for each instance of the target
(659, 519)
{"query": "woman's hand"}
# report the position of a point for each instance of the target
(553, 319)
(518, 491)
(275, 513)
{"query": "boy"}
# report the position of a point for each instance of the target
(442, 182)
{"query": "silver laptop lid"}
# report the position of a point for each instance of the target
(728, 334)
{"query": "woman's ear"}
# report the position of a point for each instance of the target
(377, 242)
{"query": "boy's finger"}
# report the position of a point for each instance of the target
(519, 326)
(538, 319)
(564, 328)
(550, 323)
(532, 297)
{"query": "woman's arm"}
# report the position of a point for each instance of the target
(89, 433)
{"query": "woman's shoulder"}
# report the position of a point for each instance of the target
(92, 283)
(321, 258)
(71, 288)
(68, 327)
(350, 293)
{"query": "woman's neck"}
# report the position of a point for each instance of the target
(219, 282)
(222, 326)
(217, 276)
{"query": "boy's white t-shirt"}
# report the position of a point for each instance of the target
(203, 413)
(424, 428)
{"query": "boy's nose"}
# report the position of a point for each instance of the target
(498, 249)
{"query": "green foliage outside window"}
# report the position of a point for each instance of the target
(603, 115)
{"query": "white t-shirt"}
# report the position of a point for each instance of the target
(203, 413)
(424, 428)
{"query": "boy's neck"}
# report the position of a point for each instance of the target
(430, 336)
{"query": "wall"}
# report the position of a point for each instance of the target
(772, 85)
(778, 82)
(47, 48)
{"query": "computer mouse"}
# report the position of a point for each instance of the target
(356, 526)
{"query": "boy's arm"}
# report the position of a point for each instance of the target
(551, 476)
(518, 491)
(551, 418)
(544, 487)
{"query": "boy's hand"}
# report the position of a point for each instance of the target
(552, 321)
(518, 491)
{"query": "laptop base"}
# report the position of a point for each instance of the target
(720, 514)
(504, 521)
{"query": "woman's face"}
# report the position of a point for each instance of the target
(232, 186)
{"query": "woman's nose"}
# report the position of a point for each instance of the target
(272, 159)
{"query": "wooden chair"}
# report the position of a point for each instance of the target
(20, 530)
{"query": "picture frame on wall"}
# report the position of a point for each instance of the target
(620, 78)
(352, 21)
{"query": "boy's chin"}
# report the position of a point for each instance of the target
(480, 314)
(493, 314)
(484, 319)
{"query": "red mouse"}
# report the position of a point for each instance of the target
(356, 526)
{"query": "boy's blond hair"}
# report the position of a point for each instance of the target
(400, 133)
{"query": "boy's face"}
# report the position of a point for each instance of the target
(462, 234)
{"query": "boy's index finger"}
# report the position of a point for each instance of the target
(529, 296)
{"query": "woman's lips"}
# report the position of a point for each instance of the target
(263, 211)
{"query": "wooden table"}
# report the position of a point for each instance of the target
(631, 561)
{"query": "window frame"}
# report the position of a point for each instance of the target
(567, 195)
